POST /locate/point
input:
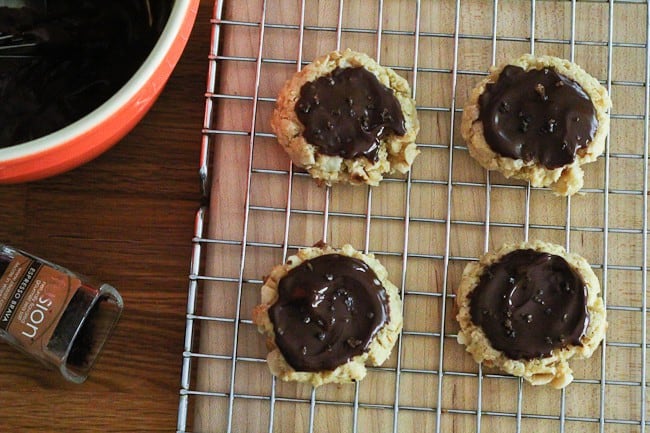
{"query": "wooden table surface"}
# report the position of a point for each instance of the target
(125, 218)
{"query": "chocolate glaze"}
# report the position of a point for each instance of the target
(347, 112)
(328, 311)
(537, 115)
(81, 53)
(529, 303)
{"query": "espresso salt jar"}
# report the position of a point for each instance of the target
(55, 315)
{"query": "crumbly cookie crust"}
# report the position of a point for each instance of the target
(396, 153)
(553, 370)
(353, 370)
(565, 180)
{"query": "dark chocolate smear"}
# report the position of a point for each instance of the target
(347, 112)
(529, 303)
(537, 115)
(79, 53)
(328, 311)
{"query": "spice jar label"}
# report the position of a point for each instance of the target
(33, 297)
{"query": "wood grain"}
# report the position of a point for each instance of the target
(435, 236)
(126, 218)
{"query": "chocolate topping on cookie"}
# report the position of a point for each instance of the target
(347, 112)
(329, 309)
(537, 115)
(529, 303)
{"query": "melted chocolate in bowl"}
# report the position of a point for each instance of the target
(537, 115)
(529, 303)
(328, 311)
(347, 112)
(80, 53)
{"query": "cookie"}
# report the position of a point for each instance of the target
(344, 118)
(538, 119)
(327, 313)
(528, 308)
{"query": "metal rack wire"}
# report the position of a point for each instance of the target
(444, 414)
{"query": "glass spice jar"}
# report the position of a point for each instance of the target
(53, 314)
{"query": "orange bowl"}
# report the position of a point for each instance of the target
(97, 131)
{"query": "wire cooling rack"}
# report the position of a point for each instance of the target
(424, 227)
